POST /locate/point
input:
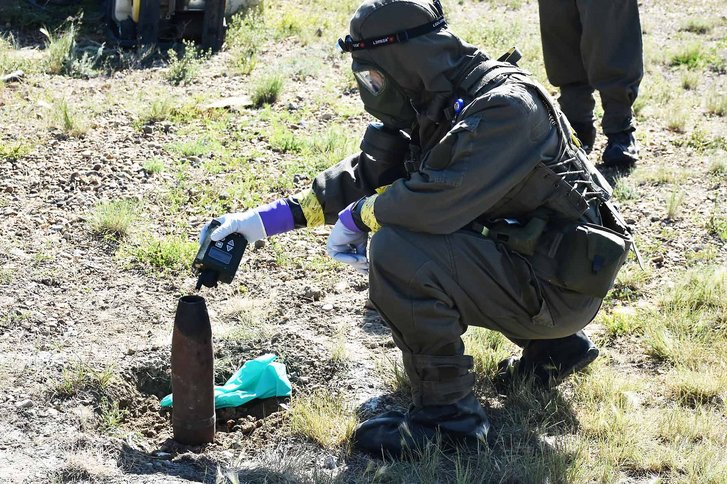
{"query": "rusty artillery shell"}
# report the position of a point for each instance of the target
(193, 407)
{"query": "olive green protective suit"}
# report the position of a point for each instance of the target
(508, 153)
(593, 44)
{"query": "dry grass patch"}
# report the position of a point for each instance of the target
(339, 352)
(659, 175)
(487, 348)
(716, 102)
(322, 417)
(248, 319)
(695, 388)
(391, 372)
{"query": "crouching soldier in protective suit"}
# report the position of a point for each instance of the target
(483, 210)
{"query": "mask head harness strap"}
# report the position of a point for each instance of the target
(350, 45)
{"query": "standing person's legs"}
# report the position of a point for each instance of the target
(612, 54)
(613, 57)
(560, 33)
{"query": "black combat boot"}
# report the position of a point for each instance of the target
(390, 434)
(586, 134)
(548, 361)
(621, 150)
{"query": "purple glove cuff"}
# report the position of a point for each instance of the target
(277, 217)
(347, 219)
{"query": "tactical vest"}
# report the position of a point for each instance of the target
(566, 227)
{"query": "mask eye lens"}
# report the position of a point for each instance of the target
(372, 80)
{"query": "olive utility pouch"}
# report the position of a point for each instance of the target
(588, 258)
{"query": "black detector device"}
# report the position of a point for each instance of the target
(218, 261)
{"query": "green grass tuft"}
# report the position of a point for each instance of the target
(83, 379)
(15, 150)
(158, 110)
(625, 188)
(267, 90)
(113, 219)
(695, 55)
(153, 166)
(621, 321)
(697, 25)
(169, 253)
(243, 40)
(674, 204)
(66, 119)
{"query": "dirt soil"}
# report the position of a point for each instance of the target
(72, 308)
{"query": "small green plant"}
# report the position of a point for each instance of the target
(113, 219)
(267, 90)
(153, 166)
(322, 417)
(695, 56)
(717, 103)
(170, 253)
(717, 165)
(67, 120)
(674, 204)
(392, 373)
(159, 110)
(6, 276)
(697, 25)
(625, 189)
(14, 150)
(65, 58)
(82, 378)
(202, 146)
(111, 415)
(621, 321)
(661, 175)
(717, 223)
(701, 141)
(285, 141)
(243, 39)
(248, 319)
(59, 48)
(693, 388)
(487, 348)
(184, 68)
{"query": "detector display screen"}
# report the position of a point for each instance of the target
(220, 255)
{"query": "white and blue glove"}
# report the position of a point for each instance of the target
(247, 223)
(255, 224)
(347, 243)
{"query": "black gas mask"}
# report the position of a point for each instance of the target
(382, 97)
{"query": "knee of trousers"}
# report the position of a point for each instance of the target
(390, 249)
(393, 262)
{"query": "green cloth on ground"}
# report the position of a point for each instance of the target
(258, 378)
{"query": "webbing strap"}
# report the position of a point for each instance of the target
(350, 45)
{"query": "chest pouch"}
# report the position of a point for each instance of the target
(587, 257)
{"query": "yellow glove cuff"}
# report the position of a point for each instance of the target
(311, 207)
(367, 213)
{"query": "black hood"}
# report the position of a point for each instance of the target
(424, 67)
